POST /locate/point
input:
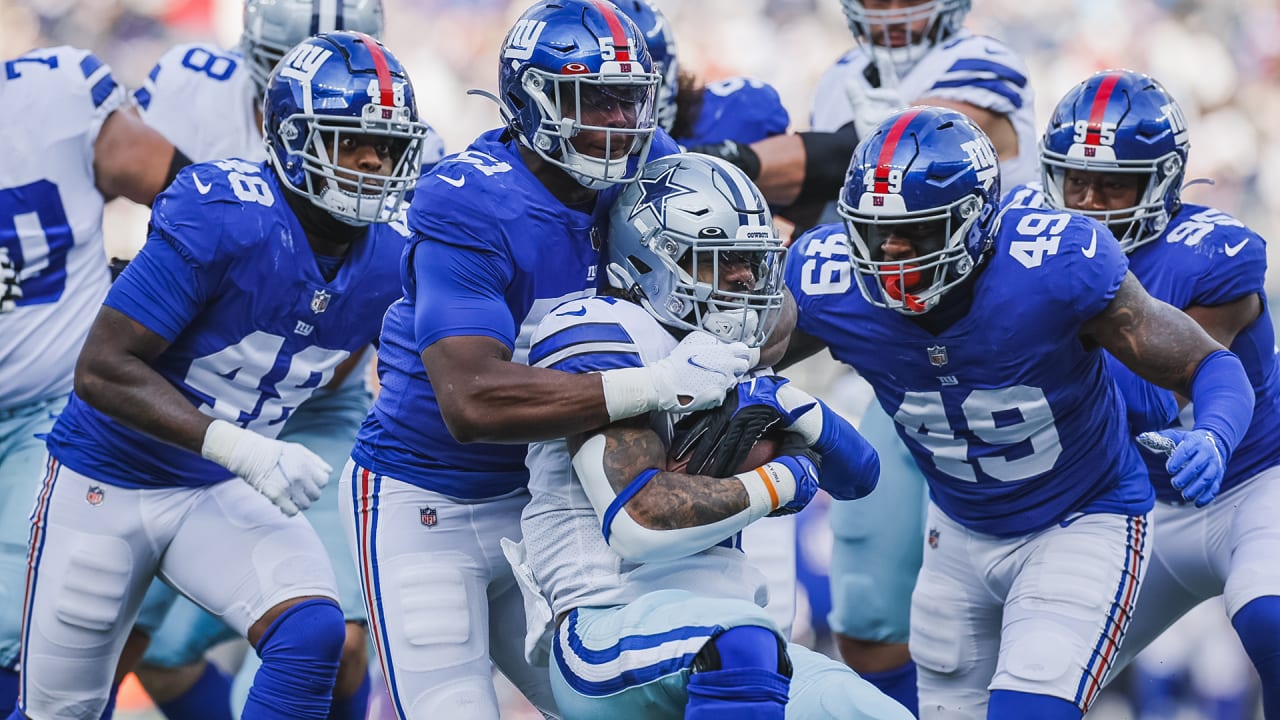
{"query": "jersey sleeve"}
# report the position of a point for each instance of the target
(1089, 269)
(831, 107)
(459, 281)
(984, 73)
(185, 256)
(183, 86)
(741, 109)
(582, 336)
(1235, 267)
(75, 85)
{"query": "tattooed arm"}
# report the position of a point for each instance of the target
(1154, 339)
(648, 514)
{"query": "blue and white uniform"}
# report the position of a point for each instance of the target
(1206, 257)
(739, 108)
(630, 631)
(229, 279)
(492, 252)
(1022, 438)
(202, 98)
(974, 69)
(875, 557)
(51, 226)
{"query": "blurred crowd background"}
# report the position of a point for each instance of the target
(1219, 58)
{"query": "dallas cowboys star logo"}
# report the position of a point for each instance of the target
(656, 192)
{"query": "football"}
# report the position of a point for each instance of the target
(764, 450)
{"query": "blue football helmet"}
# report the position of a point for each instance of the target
(929, 176)
(1119, 121)
(565, 61)
(332, 94)
(892, 37)
(271, 27)
(662, 48)
(693, 242)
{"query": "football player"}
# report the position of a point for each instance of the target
(981, 334)
(907, 52)
(256, 282)
(743, 110)
(502, 232)
(75, 145)
(208, 101)
(1116, 150)
(638, 571)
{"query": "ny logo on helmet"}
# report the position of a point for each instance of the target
(524, 36)
(982, 156)
(304, 62)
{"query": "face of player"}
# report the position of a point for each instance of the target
(737, 272)
(616, 107)
(896, 34)
(361, 153)
(1098, 192)
(904, 242)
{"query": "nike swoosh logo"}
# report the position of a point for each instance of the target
(700, 366)
(204, 189)
(1093, 246)
(1231, 250)
(576, 313)
(456, 182)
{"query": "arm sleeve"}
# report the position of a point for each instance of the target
(827, 156)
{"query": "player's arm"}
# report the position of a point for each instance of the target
(996, 125)
(132, 160)
(1223, 322)
(648, 514)
(775, 347)
(115, 376)
(793, 168)
(1166, 347)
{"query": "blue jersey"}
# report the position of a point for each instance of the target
(740, 109)
(228, 277)
(1206, 257)
(492, 252)
(1014, 422)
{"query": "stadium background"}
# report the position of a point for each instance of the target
(1220, 60)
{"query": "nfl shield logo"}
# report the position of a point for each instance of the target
(95, 495)
(320, 301)
(933, 537)
(428, 515)
(937, 355)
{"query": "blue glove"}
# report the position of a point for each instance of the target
(1195, 462)
(802, 463)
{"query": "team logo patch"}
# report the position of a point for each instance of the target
(933, 538)
(320, 301)
(95, 495)
(937, 355)
(428, 516)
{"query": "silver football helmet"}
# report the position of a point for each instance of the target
(898, 37)
(272, 27)
(692, 241)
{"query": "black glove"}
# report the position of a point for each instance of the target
(718, 440)
(734, 152)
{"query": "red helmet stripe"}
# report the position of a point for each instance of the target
(383, 70)
(1099, 110)
(881, 184)
(621, 47)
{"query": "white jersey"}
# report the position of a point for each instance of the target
(566, 550)
(975, 69)
(51, 214)
(202, 99)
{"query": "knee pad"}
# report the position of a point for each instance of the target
(745, 646)
(742, 672)
(98, 573)
(300, 653)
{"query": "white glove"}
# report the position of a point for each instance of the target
(10, 290)
(872, 105)
(288, 474)
(701, 368)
